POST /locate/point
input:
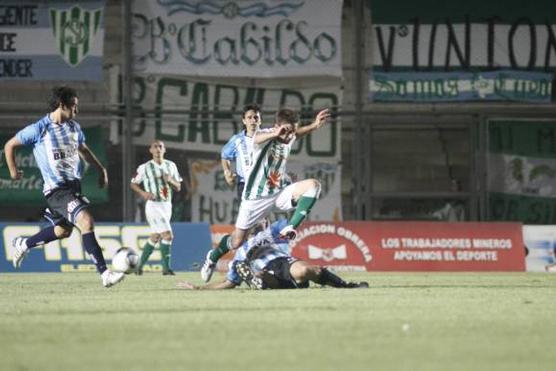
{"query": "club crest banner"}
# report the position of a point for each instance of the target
(54, 40)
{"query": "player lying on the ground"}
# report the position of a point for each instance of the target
(263, 263)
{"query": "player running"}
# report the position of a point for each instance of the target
(58, 142)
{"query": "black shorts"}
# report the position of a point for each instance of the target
(64, 203)
(276, 275)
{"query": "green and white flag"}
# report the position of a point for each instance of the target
(75, 30)
(522, 171)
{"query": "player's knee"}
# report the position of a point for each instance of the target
(155, 237)
(167, 236)
(316, 186)
(63, 231)
(85, 222)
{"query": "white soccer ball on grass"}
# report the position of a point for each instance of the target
(125, 260)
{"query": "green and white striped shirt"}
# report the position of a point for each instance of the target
(268, 174)
(151, 175)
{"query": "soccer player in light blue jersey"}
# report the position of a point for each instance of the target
(58, 142)
(264, 262)
(237, 154)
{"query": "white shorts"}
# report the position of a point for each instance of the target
(253, 211)
(158, 216)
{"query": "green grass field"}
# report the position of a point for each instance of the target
(464, 321)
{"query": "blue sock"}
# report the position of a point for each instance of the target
(43, 237)
(92, 247)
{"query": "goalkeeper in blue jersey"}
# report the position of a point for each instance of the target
(58, 143)
(264, 262)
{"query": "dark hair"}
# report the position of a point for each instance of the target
(63, 95)
(250, 107)
(286, 116)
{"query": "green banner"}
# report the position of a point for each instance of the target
(28, 190)
(522, 171)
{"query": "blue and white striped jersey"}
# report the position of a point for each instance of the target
(240, 150)
(55, 147)
(272, 247)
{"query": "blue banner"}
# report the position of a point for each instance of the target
(191, 242)
(504, 85)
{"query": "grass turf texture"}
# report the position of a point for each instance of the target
(463, 321)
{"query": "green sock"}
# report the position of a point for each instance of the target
(304, 205)
(165, 252)
(221, 250)
(147, 251)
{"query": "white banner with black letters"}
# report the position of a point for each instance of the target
(250, 38)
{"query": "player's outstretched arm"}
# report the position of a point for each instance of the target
(90, 157)
(209, 286)
(9, 151)
(320, 120)
(265, 136)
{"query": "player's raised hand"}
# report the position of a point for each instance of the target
(321, 118)
(186, 285)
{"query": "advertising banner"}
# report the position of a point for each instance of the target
(191, 240)
(51, 40)
(208, 122)
(248, 38)
(412, 246)
(214, 202)
(460, 86)
(28, 189)
(540, 241)
(522, 171)
(431, 45)
(466, 36)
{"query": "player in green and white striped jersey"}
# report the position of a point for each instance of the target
(266, 187)
(159, 178)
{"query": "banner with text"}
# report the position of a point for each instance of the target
(467, 36)
(522, 171)
(54, 40)
(207, 121)
(463, 86)
(28, 189)
(191, 241)
(249, 38)
(214, 202)
(412, 246)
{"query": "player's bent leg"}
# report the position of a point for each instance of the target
(21, 245)
(303, 195)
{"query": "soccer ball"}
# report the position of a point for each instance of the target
(125, 260)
